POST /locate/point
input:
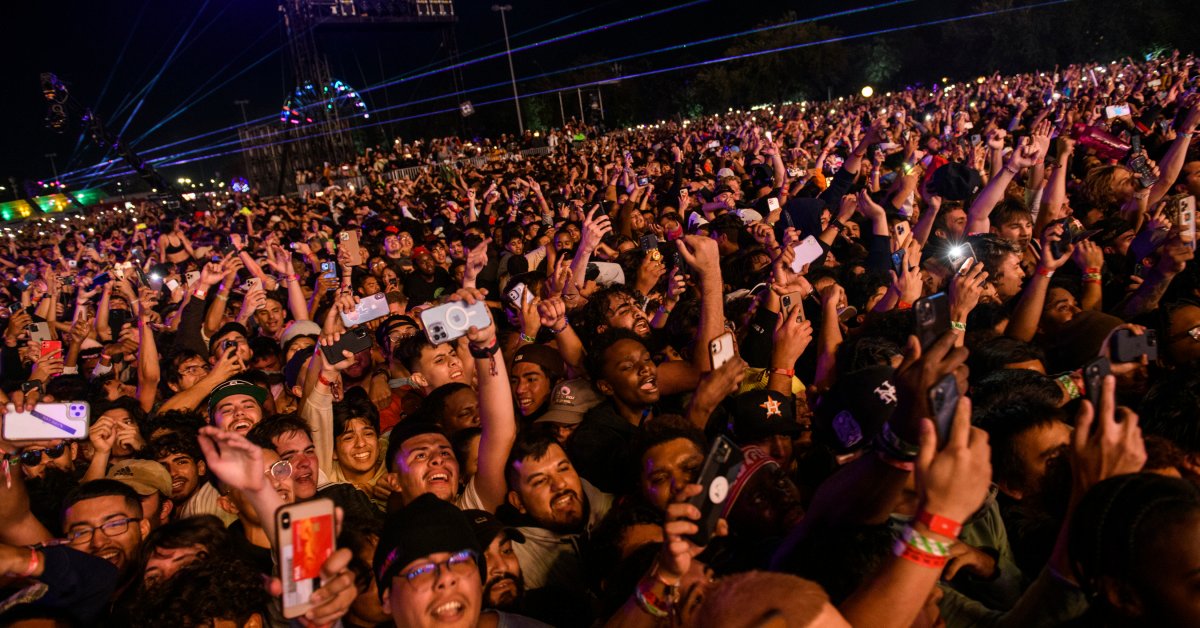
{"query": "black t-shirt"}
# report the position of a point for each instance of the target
(420, 290)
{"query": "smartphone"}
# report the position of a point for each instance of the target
(516, 295)
(1138, 163)
(649, 242)
(718, 474)
(251, 284)
(328, 270)
(976, 140)
(943, 400)
(39, 332)
(368, 309)
(191, 278)
(172, 285)
(792, 299)
(449, 321)
(933, 318)
(1183, 208)
(898, 261)
(1115, 111)
(773, 203)
(356, 340)
(1129, 347)
(100, 280)
(348, 240)
(1094, 373)
(807, 251)
(722, 349)
(72, 263)
(48, 421)
(767, 134)
(959, 255)
(49, 347)
(643, 180)
(306, 537)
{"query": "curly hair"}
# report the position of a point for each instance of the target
(205, 591)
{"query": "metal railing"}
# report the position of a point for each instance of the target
(412, 171)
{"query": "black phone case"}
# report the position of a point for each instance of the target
(717, 476)
(1128, 347)
(933, 318)
(355, 341)
(1094, 373)
(943, 401)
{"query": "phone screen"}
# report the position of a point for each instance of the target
(306, 540)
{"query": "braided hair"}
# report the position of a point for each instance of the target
(1116, 521)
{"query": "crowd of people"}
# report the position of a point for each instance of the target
(915, 359)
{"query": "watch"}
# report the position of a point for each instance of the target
(33, 384)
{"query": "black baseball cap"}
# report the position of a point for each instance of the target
(487, 527)
(427, 525)
(760, 414)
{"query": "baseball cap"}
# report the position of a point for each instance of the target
(850, 414)
(144, 476)
(487, 526)
(548, 359)
(724, 172)
(294, 366)
(428, 525)
(232, 387)
(296, 329)
(761, 414)
(570, 401)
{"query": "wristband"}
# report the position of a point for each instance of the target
(652, 603)
(1091, 270)
(957, 326)
(200, 293)
(34, 561)
(528, 339)
(293, 278)
(1011, 171)
(903, 305)
(482, 353)
(907, 467)
(1091, 278)
(924, 544)
(784, 372)
(566, 324)
(938, 524)
(1044, 272)
(1068, 384)
(912, 554)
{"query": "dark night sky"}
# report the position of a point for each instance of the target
(82, 43)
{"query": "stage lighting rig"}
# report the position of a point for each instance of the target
(56, 95)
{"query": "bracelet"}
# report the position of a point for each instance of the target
(1068, 384)
(651, 603)
(1091, 270)
(1091, 278)
(527, 338)
(34, 561)
(784, 372)
(566, 324)
(1044, 272)
(938, 524)
(662, 309)
(924, 544)
(1011, 171)
(482, 353)
(957, 326)
(321, 378)
(293, 278)
(912, 554)
(221, 297)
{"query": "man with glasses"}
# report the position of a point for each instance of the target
(248, 539)
(38, 455)
(430, 569)
(104, 518)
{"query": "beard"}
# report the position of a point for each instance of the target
(510, 598)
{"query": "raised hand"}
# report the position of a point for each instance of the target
(966, 288)
(481, 338)
(1103, 445)
(675, 559)
(235, 460)
(954, 482)
(594, 229)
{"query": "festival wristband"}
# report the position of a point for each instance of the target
(924, 544)
(912, 554)
(938, 524)
(1068, 384)
(957, 326)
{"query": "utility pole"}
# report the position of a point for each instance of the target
(505, 8)
(242, 104)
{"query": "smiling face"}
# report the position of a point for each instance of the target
(119, 548)
(549, 490)
(452, 600)
(426, 464)
(185, 475)
(237, 413)
(271, 317)
(297, 448)
(530, 387)
(357, 449)
(629, 375)
(439, 365)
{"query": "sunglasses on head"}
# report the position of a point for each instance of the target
(33, 457)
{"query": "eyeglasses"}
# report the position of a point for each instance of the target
(422, 577)
(279, 471)
(111, 529)
(195, 369)
(33, 457)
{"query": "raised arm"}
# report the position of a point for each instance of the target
(1024, 322)
(993, 192)
(701, 254)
